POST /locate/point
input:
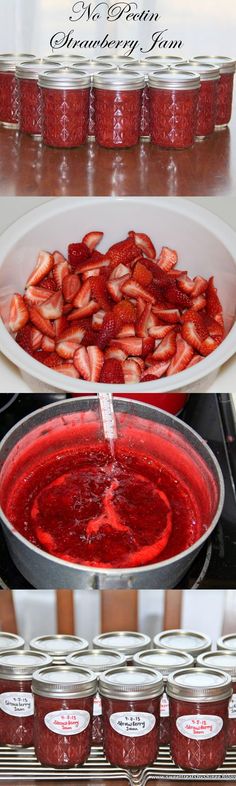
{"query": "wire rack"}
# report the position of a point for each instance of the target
(22, 766)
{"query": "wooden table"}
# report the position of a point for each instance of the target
(28, 168)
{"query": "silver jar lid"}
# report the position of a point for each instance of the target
(59, 645)
(21, 663)
(97, 660)
(164, 59)
(118, 59)
(124, 641)
(64, 58)
(10, 641)
(64, 79)
(119, 80)
(219, 659)
(164, 661)
(67, 682)
(226, 64)
(32, 68)
(206, 71)
(227, 642)
(9, 62)
(189, 641)
(93, 68)
(199, 685)
(131, 682)
(174, 80)
(143, 68)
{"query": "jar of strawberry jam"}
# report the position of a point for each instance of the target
(144, 69)
(118, 108)
(206, 105)
(9, 97)
(16, 700)
(173, 108)
(126, 642)
(131, 715)
(165, 661)
(63, 710)
(58, 646)
(189, 641)
(199, 701)
(226, 661)
(65, 107)
(9, 641)
(224, 95)
(91, 68)
(97, 661)
(30, 97)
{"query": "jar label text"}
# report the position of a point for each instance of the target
(132, 724)
(67, 722)
(199, 727)
(17, 703)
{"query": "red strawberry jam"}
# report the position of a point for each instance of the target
(9, 94)
(131, 710)
(224, 96)
(63, 698)
(117, 108)
(199, 701)
(65, 106)
(16, 700)
(226, 661)
(63, 476)
(30, 95)
(91, 68)
(173, 107)
(206, 105)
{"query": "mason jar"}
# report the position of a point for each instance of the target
(30, 96)
(206, 105)
(224, 95)
(145, 69)
(173, 108)
(190, 641)
(16, 700)
(58, 645)
(65, 107)
(226, 661)
(127, 642)
(9, 96)
(118, 97)
(91, 68)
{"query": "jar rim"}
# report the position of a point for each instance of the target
(64, 79)
(119, 80)
(175, 80)
(128, 649)
(207, 658)
(206, 71)
(192, 649)
(17, 641)
(224, 642)
(12, 668)
(43, 683)
(9, 62)
(226, 64)
(32, 68)
(91, 655)
(38, 644)
(180, 686)
(115, 685)
(164, 668)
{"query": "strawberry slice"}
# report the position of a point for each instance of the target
(59, 272)
(157, 370)
(198, 303)
(125, 313)
(53, 307)
(134, 290)
(73, 333)
(115, 287)
(214, 327)
(19, 314)
(126, 330)
(83, 296)
(144, 242)
(35, 295)
(70, 287)
(42, 324)
(112, 372)
(200, 286)
(170, 315)
(114, 352)
(177, 298)
(97, 319)
(194, 361)
(23, 338)
(166, 348)
(81, 363)
(66, 349)
(119, 272)
(213, 305)
(96, 360)
(141, 274)
(77, 254)
(86, 311)
(51, 360)
(143, 321)
(90, 273)
(182, 357)
(68, 369)
(148, 346)
(99, 291)
(160, 331)
(58, 257)
(108, 330)
(48, 283)
(92, 239)
(61, 325)
(43, 266)
(131, 371)
(186, 284)
(132, 346)
(208, 345)
(36, 338)
(93, 265)
(47, 344)
(167, 259)
(123, 253)
(194, 330)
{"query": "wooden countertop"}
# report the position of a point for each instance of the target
(28, 168)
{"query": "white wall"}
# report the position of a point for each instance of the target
(205, 26)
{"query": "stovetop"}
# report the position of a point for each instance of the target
(212, 417)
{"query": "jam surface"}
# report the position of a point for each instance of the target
(128, 750)
(16, 729)
(117, 117)
(62, 750)
(65, 117)
(224, 99)
(80, 505)
(30, 106)
(173, 117)
(206, 753)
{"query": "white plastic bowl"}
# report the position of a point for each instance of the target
(206, 246)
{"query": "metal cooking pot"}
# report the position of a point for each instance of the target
(54, 425)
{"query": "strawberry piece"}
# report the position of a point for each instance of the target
(23, 338)
(194, 361)
(61, 325)
(115, 287)
(123, 253)
(77, 254)
(68, 369)
(126, 330)
(213, 305)
(170, 315)
(66, 349)
(81, 363)
(108, 330)
(51, 360)
(143, 321)
(90, 336)
(214, 327)
(177, 298)
(112, 372)
(35, 295)
(43, 266)
(96, 360)
(186, 284)
(141, 274)
(166, 348)
(157, 370)
(97, 319)
(132, 346)
(148, 378)
(125, 313)
(53, 307)
(86, 311)
(73, 333)
(83, 296)
(160, 331)
(194, 330)
(144, 242)
(114, 352)
(98, 291)
(167, 259)
(148, 345)
(48, 283)
(42, 324)
(131, 371)
(47, 344)
(70, 287)
(58, 257)
(119, 272)
(92, 239)
(208, 345)
(93, 265)
(131, 288)
(90, 274)
(200, 286)
(59, 272)
(19, 314)
(36, 338)
(182, 357)
(198, 303)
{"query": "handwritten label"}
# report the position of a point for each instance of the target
(132, 724)
(164, 706)
(232, 706)
(199, 727)
(67, 722)
(21, 705)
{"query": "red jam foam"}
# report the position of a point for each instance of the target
(173, 117)
(65, 117)
(62, 492)
(117, 117)
(198, 733)
(62, 749)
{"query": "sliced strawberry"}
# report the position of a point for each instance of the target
(93, 264)
(58, 257)
(68, 369)
(36, 295)
(148, 346)
(18, 313)
(194, 361)
(23, 338)
(115, 287)
(143, 321)
(123, 253)
(166, 348)
(177, 298)
(148, 377)
(131, 371)
(198, 303)
(200, 286)
(194, 330)
(131, 288)
(43, 266)
(99, 291)
(90, 336)
(168, 258)
(132, 346)
(214, 327)
(170, 315)
(213, 305)
(73, 333)
(48, 283)
(61, 325)
(144, 242)
(157, 370)
(47, 344)
(96, 360)
(53, 307)
(51, 360)
(90, 273)
(208, 345)
(142, 275)
(81, 363)
(42, 324)
(77, 254)
(92, 239)
(70, 287)
(112, 372)
(160, 331)
(59, 272)
(86, 311)
(97, 319)
(119, 272)
(66, 349)
(125, 313)
(83, 296)
(182, 357)
(114, 352)
(36, 338)
(186, 284)
(107, 331)
(126, 330)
